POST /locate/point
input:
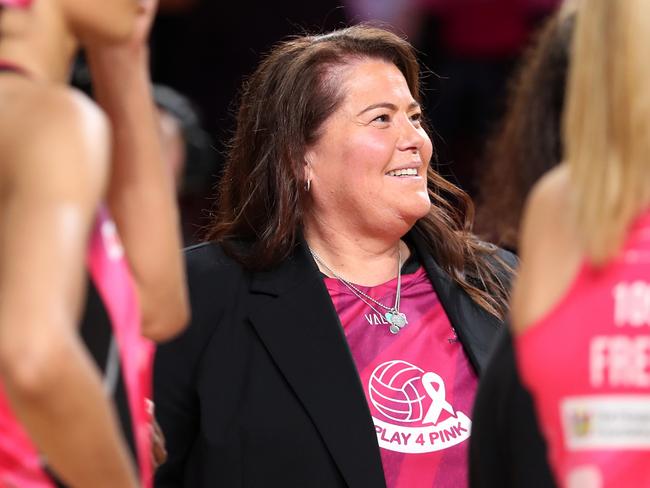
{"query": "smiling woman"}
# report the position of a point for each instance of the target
(369, 166)
(342, 309)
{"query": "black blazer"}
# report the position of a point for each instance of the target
(262, 391)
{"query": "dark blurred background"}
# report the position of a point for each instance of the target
(203, 49)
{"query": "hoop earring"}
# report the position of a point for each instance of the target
(308, 180)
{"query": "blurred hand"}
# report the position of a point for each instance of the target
(120, 72)
(109, 62)
(158, 451)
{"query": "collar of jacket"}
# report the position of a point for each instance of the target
(294, 316)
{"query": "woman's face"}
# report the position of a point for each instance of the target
(102, 21)
(368, 168)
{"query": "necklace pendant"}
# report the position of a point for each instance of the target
(399, 319)
(393, 327)
(396, 319)
(389, 317)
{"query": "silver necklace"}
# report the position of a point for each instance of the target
(395, 318)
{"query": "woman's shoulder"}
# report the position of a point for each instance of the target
(551, 192)
(550, 249)
(548, 229)
(502, 258)
(43, 123)
(211, 257)
(500, 262)
(213, 254)
(210, 267)
(216, 285)
(45, 108)
(205, 253)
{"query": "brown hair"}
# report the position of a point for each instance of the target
(529, 140)
(261, 197)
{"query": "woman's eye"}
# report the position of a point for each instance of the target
(417, 118)
(382, 118)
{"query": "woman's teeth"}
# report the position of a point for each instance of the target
(403, 172)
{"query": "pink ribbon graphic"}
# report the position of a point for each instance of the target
(435, 388)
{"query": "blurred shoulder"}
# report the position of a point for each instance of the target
(550, 249)
(47, 131)
(548, 230)
(548, 202)
(44, 109)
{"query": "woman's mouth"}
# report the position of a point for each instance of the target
(403, 172)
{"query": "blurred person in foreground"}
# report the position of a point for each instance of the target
(506, 448)
(580, 306)
(77, 178)
(342, 309)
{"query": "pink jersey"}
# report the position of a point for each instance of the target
(418, 383)
(20, 463)
(16, 3)
(587, 365)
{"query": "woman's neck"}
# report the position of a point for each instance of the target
(360, 259)
(38, 41)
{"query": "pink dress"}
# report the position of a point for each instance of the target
(20, 463)
(587, 365)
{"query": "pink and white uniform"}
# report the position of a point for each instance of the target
(419, 383)
(130, 365)
(587, 365)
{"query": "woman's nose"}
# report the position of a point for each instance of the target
(411, 137)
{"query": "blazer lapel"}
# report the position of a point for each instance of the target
(475, 327)
(295, 318)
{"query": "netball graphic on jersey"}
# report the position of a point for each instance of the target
(410, 410)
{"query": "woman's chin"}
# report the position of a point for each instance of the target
(419, 208)
(411, 214)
